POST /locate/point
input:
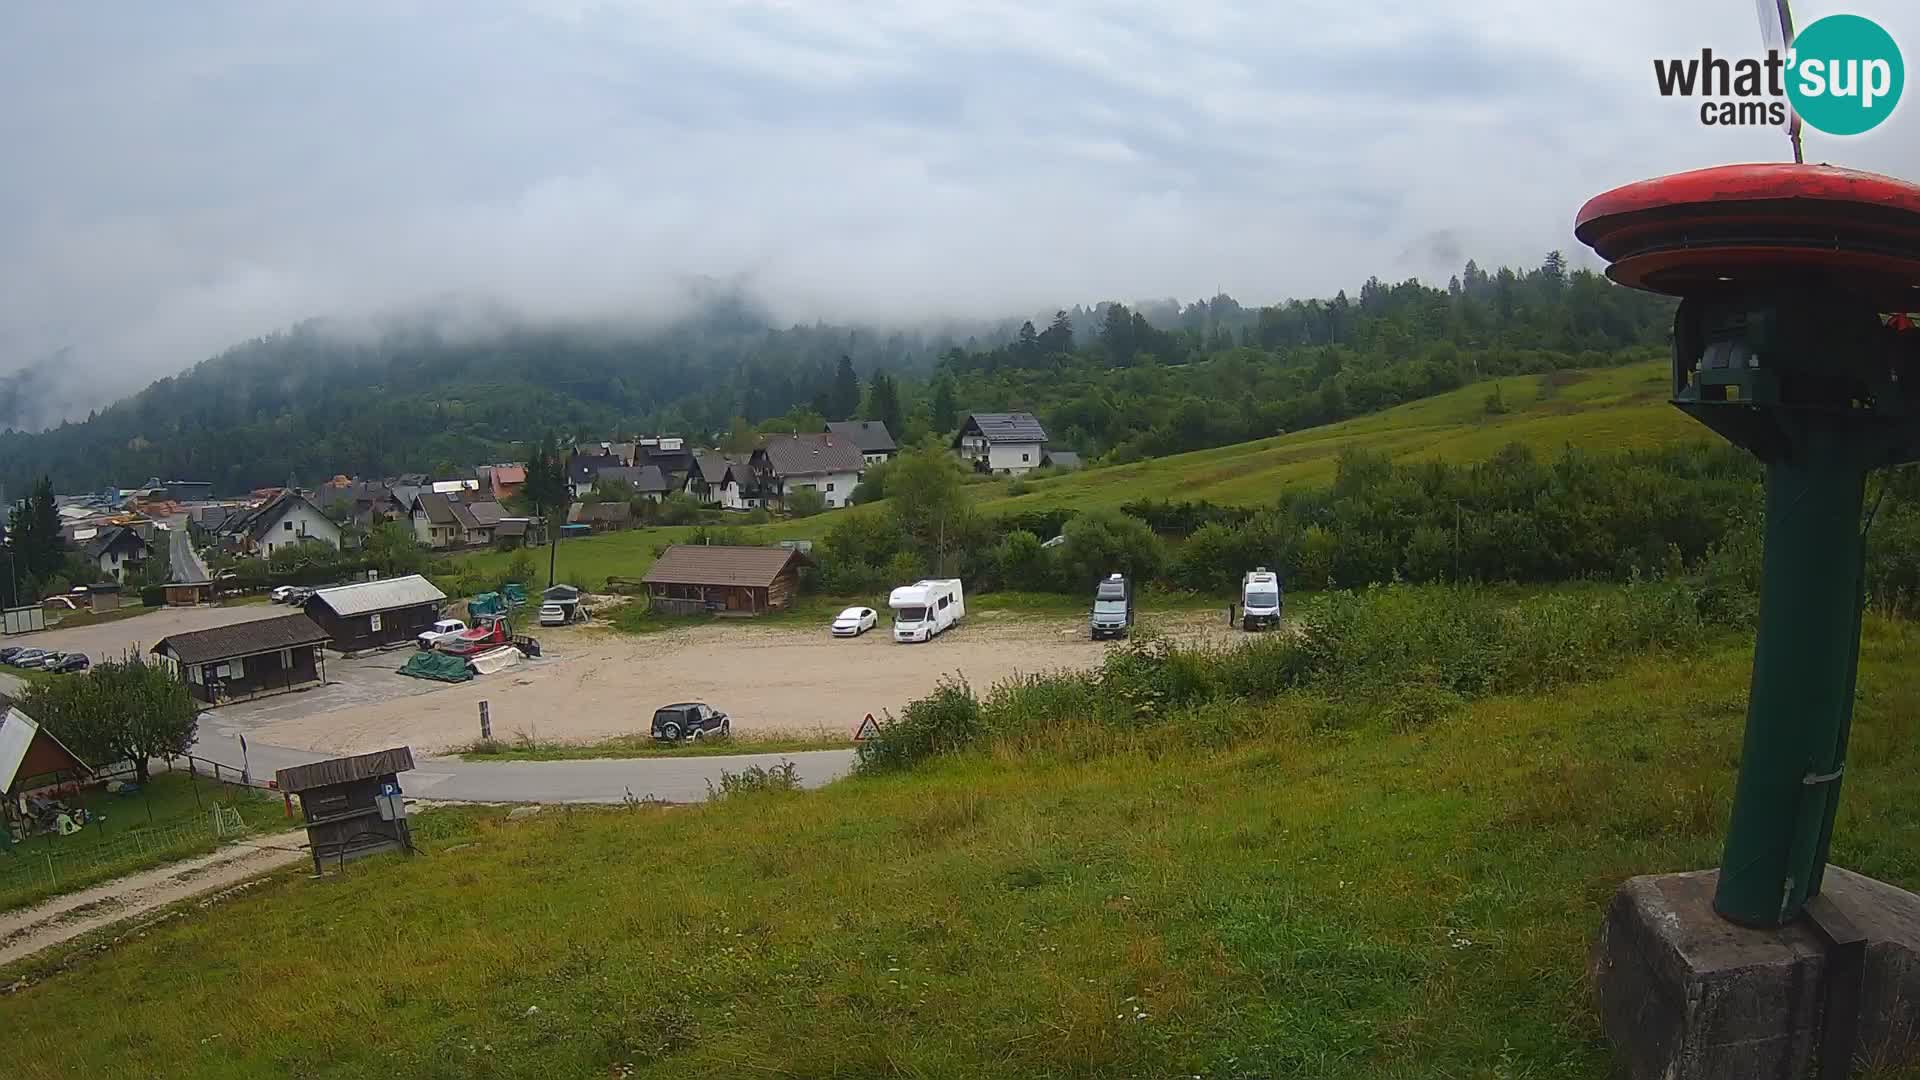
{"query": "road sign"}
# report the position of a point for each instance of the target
(869, 729)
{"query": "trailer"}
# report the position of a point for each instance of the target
(926, 609)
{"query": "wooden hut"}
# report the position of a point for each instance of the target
(691, 578)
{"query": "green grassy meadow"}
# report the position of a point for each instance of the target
(1310, 899)
(1603, 408)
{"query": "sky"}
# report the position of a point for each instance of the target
(180, 177)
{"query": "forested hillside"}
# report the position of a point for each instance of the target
(1108, 380)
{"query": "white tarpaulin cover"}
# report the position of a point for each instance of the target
(493, 660)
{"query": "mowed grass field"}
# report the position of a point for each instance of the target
(1310, 901)
(1601, 408)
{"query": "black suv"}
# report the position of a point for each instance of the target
(672, 723)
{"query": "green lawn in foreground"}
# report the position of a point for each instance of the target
(1314, 902)
(165, 821)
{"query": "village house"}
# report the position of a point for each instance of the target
(645, 481)
(599, 516)
(1011, 443)
(719, 480)
(287, 519)
(828, 464)
(584, 469)
(691, 578)
(375, 614)
(118, 551)
(443, 521)
(508, 481)
(247, 660)
(870, 436)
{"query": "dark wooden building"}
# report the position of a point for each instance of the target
(341, 801)
(247, 660)
(691, 578)
(375, 614)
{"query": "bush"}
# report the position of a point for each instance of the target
(1103, 542)
(1017, 486)
(153, 595)
(757, 516)
(678, 508)
(753, 780)
(944, 722)
(805, 502)
(1023, 563)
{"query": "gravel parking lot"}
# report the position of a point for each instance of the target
(591, 684)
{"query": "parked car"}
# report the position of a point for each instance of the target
(60, 603)
(71, 663)
(27, 658)
(43, 662)
(855, 621)
(281, 594)
(552, 614)
(445, 628)
(7, 654)
(689, 719)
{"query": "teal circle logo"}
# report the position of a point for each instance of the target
(1845, 74)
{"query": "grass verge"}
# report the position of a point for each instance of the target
(643, 746)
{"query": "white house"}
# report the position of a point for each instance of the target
(1011, 443)
(829, 464)
(871, 436)
(117, 551)
(287, 519)
(718, 480)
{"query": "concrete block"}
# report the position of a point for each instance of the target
(1686, 995)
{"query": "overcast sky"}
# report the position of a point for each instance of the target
(181, 176)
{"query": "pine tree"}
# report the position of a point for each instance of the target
(844, 400)
(946, 406)
(883, 403)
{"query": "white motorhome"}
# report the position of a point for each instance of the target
(925, 609)
(1260, 599)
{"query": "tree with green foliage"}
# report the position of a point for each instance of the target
(843, 401)
(805, 502)
(395, 550)
(883, 404)
(1102, 542)
(928, 498)
(119, 710)
(946, 406)
(36, 542)
(547, 492)
(740, 437)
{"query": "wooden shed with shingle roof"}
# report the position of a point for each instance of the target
(692, 578)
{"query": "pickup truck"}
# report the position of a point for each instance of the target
(440, 631)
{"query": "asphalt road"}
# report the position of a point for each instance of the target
(602, 780)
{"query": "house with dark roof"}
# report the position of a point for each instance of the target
(247, 660)
(599, 516)
(116, 550)
(645, 481)
(584, 469)
(1010, 443)
(691, 578)
(669, 453)
(375, 614)
(826, 463)
(871, 436)
(434, 523)
(286, 519)
(722, 480)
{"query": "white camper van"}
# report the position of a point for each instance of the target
(1260, 599)
(926, 608)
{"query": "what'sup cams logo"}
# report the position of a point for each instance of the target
(1843, 75)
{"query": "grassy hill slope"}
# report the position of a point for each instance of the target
(1600, 408)
(1311, 899)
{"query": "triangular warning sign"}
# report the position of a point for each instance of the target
(868, 730)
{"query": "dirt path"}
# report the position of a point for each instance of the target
(768, 679)
(63, 918)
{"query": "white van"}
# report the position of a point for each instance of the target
(1260, 599)
(924, 609)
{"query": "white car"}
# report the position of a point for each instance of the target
(280, 594)
(445, 628)
(553, 615)
(855, 621)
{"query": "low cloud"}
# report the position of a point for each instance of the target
(184, 176)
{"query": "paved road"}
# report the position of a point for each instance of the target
(606, 780)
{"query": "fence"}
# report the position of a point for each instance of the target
(96, 854)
